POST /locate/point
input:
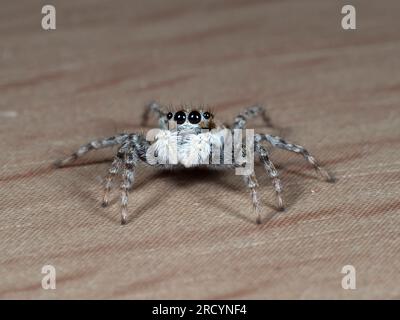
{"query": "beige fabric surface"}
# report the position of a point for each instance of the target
(192, 234)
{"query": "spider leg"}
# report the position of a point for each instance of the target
(128, 155)
(282, 144)
(251, 112)
(251, 182)
(93, 145)
(130, 162)
(272, 172)
(112, 172)
(157, 109)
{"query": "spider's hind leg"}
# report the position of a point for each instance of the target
(249, 113)
(154, 107)
(282, 144)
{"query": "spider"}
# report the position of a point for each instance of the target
(194, 131)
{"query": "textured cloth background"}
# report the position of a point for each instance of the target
(192, 235)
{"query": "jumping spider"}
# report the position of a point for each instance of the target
(190, 124)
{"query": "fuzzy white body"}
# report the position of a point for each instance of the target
(185, 148)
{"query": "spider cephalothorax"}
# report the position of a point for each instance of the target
(189, 137)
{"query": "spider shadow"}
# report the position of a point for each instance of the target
(291, 193)
(182, 178)
(179, 178)
(89, 198)
(86, 196)
(138, 210)
(294, 190)
(185, 177)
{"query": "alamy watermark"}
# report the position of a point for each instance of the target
(49, 278)
(349, 280)
(49, 18)
(207, 147)
(349, 20)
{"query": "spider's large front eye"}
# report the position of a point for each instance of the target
(180, 117)
(194, 117)
(207, 115)
(169, 115)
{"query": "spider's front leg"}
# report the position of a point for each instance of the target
(115, 168)
(282, 144)
(251, 182)
(130, 162)
(126, 159)
(154, 107)
(93, 145)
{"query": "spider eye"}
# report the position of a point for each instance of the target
(194, 117)
(207, 115)
(169, 115)
(180, 117)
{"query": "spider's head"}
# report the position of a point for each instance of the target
(190, 120)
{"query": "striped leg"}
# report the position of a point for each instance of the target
(157, 109)
(282, 144)
(251, 182)
(251, 112)
(93, 145)
(113, 171)
(273, 174)
(130, 162)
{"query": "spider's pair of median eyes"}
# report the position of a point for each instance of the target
(194, 116)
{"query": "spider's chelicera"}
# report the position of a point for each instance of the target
(191, 138)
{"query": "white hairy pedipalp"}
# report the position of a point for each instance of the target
(186, 148)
